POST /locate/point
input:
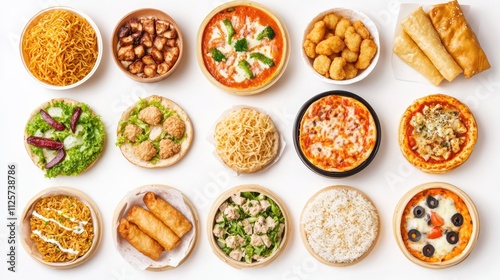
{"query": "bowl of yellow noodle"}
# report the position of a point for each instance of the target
(61, 47)
(61, 227)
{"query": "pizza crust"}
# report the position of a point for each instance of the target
(464, 231)
(441, 166)
(127, 148)
(35, 112)
(347, 155)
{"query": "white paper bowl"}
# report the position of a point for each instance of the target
(34, 21)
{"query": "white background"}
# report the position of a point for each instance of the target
(201, 177)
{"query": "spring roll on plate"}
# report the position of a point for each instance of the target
(153, 227)
(458, 38)
(170, 216)
(408, 51)
(140, 240)
(419, 27)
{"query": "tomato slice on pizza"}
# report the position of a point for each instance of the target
(436, 225)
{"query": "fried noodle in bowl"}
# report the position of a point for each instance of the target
(61, 47)
(61, 227)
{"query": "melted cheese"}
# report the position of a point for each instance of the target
(341, 132)
(250, 29)
(445, 210)
(437, 132)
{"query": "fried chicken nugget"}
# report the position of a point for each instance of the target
(322, 64)
(350, 71)
(331, 20)
(352, 39)
(361, 29)
(341, 27)
(328, 35)
(337, 69)
(368, 50)
(309, 48)
(334, 55)
(331, 45)
(349, 55)
(317, 33)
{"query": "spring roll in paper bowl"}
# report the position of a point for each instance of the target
(155, 227)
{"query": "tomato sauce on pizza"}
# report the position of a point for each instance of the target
(437, 133)
(243, 47)
(337, 133)
(436, 225)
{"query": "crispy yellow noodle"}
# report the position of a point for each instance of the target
(61, 48)
(61, 228)
(246, 140)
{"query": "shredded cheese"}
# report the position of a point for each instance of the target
(437, 132)
(341, 225)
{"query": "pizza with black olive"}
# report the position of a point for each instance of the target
(436, 225)
(437, 133)
(154, 132)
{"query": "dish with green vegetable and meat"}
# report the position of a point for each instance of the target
(242, 48)
(248, 226)
(64, 137)
(154, 132)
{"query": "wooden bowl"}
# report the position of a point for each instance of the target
(174, 197)
(352, 15)
(244, 87)
(211, 223)
(304, 234)
(25, 229)
(397, 221)
(35, 20)
(146, 13)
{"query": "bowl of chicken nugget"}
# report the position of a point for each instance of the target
(341, 46)
(147, 45)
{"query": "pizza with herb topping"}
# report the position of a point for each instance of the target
(243, 46)
(437, 133)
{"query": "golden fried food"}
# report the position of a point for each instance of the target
(322, 64)
(349, 55)
(331, 20)
(309, 48)
(350, 71)
(317, 33)
(140, 240)
(352, 39)
(458, 38)
(341, 27)
(340, 53)
(368, 50)
(409, 52)
(331, 45)
(336, 70)
(361, 29)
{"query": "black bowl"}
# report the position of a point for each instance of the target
(296, 135)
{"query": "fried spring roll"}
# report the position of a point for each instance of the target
(458, 38)
(141, 241)
(170, 216)
(419, 27)
(408, 51)
(153, 227)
